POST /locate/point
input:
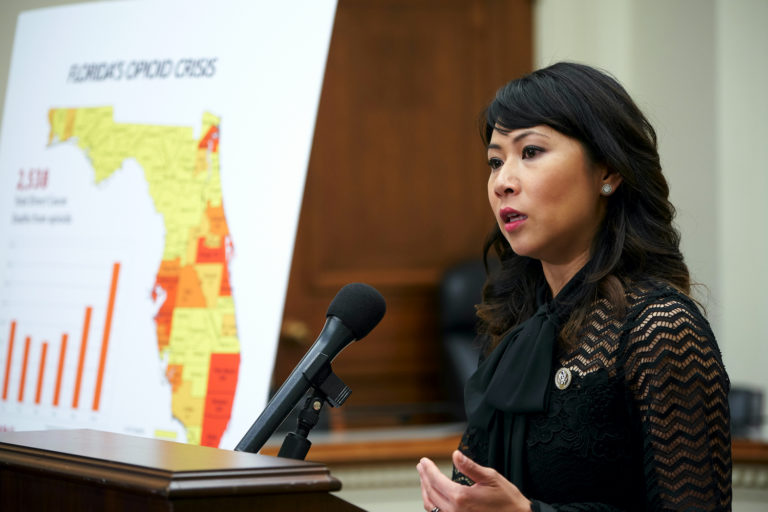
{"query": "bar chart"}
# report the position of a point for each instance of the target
(46, 347)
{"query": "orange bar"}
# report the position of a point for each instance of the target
(105, 337)
(8, 360)
(62, 355)
(81, 362)
(40, 372)
(24, 369)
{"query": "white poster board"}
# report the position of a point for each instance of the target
(152, 166)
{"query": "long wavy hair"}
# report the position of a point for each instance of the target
(636, 241)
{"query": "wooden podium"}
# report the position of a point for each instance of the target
(93, 470)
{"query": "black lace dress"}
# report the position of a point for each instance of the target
(643, 423)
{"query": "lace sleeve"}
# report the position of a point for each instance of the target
(676, 377)
(537, 506)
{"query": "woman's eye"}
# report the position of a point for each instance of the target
(495, 163)
(531, 151)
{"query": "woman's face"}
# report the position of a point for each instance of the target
(545, 194)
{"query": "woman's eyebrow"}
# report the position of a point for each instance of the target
(518, 137)
(527, 133)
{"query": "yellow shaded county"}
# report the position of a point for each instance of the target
(165, 434)
(188, 408)
(194, 434)
(192, 329)
(228, 325)
(202, 162)
(198, 332)
(224, 317)
(212, 240)
(213, 193)
(193, 338)
(198, 376)
(177, 243)
(186, 215)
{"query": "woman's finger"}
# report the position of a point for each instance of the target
(472, 469)
(426, 487)
(435, 485)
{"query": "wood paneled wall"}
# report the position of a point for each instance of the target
(396, 187)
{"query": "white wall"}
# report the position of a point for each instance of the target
(699, 71)
(742, 184)
(669, 69)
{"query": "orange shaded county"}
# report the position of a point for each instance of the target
(216, 221)
(173, 373)
(167, 279)
(190, 294)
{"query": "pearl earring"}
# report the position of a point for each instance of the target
(606, 189)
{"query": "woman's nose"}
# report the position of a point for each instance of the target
(506, 181)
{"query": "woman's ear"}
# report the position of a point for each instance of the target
(609, 181)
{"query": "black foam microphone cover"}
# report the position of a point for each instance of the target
(359, 306)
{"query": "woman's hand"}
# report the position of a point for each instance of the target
(491, 491)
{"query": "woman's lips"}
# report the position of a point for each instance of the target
(511, 218)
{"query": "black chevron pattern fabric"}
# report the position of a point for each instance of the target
(644, 422)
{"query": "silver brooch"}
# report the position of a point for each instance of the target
(563, 378)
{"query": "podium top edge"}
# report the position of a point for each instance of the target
(157, 466)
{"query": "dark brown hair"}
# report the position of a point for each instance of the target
(636, 241)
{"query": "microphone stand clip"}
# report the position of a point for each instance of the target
(326, 387)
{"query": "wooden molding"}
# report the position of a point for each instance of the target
(149, 466)
(440, 447)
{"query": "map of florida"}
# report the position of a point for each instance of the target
(196, 327)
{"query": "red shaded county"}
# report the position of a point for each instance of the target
(216, 221)
(167, 279)
(218, 405)
(173, 374)
(211, 140)
(222, 374)
(190, 295)
(222, 382)
(207, 254)
(213, 429)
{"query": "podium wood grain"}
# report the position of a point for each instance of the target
(93, 470)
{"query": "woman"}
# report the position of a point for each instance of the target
(601, 386)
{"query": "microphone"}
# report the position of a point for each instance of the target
(352, 314)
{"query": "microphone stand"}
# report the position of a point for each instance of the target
(326, 387)
(296, 445)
